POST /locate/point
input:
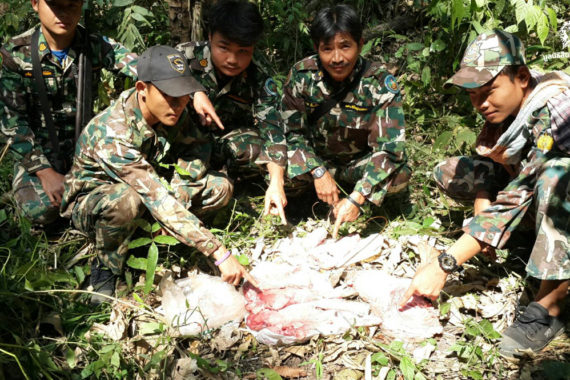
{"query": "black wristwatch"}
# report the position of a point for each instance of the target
(319, 172)
(448, 263)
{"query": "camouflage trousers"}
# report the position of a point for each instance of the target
(542, 200)
(107, 214)
(238, 150)
(31, 197)
(349, 174)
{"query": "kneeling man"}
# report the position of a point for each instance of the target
(141, 154)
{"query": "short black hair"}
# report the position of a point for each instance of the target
(237, 20)
(329, 21)
(511, 71)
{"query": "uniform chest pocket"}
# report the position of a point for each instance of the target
(348, 140)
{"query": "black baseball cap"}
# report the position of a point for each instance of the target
(167, 69)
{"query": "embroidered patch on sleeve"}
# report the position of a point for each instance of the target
(391, 84)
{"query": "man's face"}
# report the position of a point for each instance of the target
(59, 17)
(229, 58)
(500, 98)
(339, 55)
(160, 106)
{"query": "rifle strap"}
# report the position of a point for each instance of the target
(84, 105)
(41, 87)
(337, 97)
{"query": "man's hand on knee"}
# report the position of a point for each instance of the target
(52, 183)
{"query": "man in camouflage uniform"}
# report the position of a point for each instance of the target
(520, 171)
(358, 140)
(40, 166)
(142, 153)
(242, 94)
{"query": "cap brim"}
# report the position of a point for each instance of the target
(472, 77)
(177, 87)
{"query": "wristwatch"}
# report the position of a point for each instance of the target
(319, 172)
(448, 263)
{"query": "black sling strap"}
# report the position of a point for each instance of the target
(84, 95)
(44, 103)
(337, 97)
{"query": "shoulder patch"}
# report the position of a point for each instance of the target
(545, 142)
(203, 62)
(391, 84)
(42, 47)
(270, 87)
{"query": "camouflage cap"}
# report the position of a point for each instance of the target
(485, 57)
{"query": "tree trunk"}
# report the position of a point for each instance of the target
(186, 20)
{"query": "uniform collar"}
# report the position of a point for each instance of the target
(44, 49)
(349, 79)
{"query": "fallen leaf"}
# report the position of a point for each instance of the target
(289, 372)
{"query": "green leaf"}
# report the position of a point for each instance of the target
(181, 171)
(414, 46)
(137, 262)
(368, 46)
(155, 227)
(243, 260)
(428, 222)
(138, 299)
(150, 328)
(141, 10)
(79, 273)
(122, 3)
(408, 368)
(488, 330)
(379, 358)
(426, 75)
(143, 224)
(542, 28)
(499, 6)
(458, 12)
(70, 358)
(438, 45)
(442, 140)
(166, 239)
(520, 10)
(3, 216)
(152, 259)
(115, 360)
(267, 373)
(467, 136)
(139, 242)
(552, 18)
(391, 375)
(444, 308)
(480, 3)
(106, 349)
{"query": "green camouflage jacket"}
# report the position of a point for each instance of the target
(21, 121)
(495, 224)
(369, 121)
(119, 146)
(245, 101)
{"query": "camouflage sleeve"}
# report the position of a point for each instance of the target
(125, 163)
(296, 129)
(268, 120)
(388, 154)
(14, 125)
(119, 59)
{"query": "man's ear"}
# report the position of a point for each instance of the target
(141, 87)
(35, 4)
(523, 75)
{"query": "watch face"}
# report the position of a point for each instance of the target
(448, 262)
(319, 172)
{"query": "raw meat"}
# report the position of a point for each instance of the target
(200, 302)
(293, 304)
(417, 320)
